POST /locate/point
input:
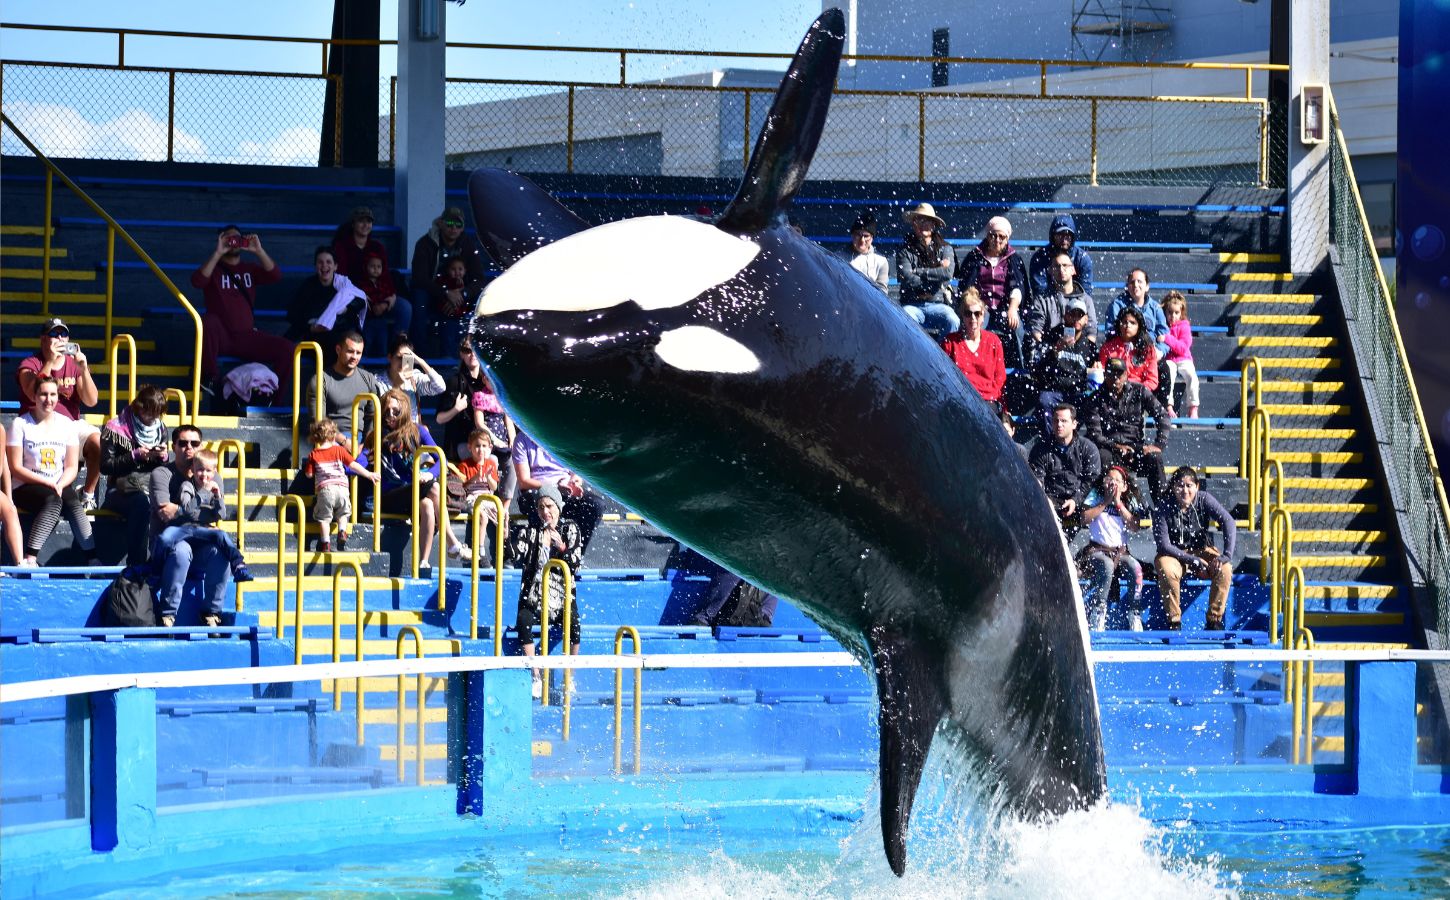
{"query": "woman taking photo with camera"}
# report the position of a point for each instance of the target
(410, 373)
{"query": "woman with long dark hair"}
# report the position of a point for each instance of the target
(132, 444)
(1133, 344)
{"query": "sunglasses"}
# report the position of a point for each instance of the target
(57, 333)
(182, 442)
(452, 224)
(976, 313)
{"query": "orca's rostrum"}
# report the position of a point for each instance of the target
(760, 401)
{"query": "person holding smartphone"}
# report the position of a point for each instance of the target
(410, 373)
(229, 287)
(61, 359)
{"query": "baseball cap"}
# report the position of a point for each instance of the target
(452, 214)
(362, 212)
(53, 323)
(1077, 303)
(1116, 365)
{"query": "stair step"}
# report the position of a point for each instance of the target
(55, 274)
(1250, 341)
(39, 230)
(1312, 434)
(1305, 409)
(374, 648)
(1329, 744)
(1354, 591)
(1248, 258)
(1272, 298)
(1299, 362)
(36, 252)
(95, 347)
(1360, 645)
(1350, 620)
(1312, 457)
(72, 321)
(389, 715)
(104, 370)
(1327, 709)
(1339, 536)
(372, 618)
(1297, 387)
(410, 753)
(1329, 484)
(1329, 507)
(268, 584)
(1280, 319)
(1324, 561)
(55, 297)
(379, 685)
(1261, 276)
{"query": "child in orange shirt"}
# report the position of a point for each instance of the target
(480, 471)
(328, 464)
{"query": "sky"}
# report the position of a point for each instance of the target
(72, 112)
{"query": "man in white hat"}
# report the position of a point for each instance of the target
(925, 265)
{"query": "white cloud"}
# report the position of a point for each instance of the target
(292, 147)
(62, 131)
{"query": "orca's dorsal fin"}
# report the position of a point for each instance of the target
(515, 217)
(786, 144)
(912, 703)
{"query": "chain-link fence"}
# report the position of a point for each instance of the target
(183, 115)
(1403, 440)
(879, 136)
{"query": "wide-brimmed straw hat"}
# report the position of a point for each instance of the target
(926, 211)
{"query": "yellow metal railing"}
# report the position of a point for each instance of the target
(112, 229)
(180, 396)
(359, 589)
(417, 636)
(115, 360)
(475, 520)
(1277, 552)
(1251, 384)
(283, 503)
(1259, 447)
(440, 515)
(220, 448)
(557, 565)
(376, 453)
(619, 636)
(319, 407)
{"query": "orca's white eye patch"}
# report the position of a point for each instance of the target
(696, 348)
(656, 261)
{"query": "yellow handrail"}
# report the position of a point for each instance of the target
(550, 567)
(360, 589)
(1305, 641)
(115, 359)
(180, 396)
(1252, 373)
(440, 515)
(475, 520)
(1277, 551)
(283, 501)
(235, 446)
(50, 170)
(418, 704)
(358, 402)
(319, 408)
(619, 636)
(1259, 447)
(1271, 482)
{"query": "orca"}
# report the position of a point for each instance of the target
(760, 401)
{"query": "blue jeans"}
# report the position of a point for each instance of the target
(178, 561)
(378, 329)
(938, 319)
(198, 536)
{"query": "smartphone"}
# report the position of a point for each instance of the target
(72, 348)
(236, 241)
(407, 366)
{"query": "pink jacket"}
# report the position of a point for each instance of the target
(1180, 341)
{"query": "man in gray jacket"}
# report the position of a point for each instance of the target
(177, 563)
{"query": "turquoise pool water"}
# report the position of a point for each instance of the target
(1105, 853)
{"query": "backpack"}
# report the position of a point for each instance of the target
(127, 602)
(744, 608)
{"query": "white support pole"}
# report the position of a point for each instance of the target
(1308, 163)
(419, 130)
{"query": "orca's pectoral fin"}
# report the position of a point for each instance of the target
(514, 216)
(788, 140)
(908, 680)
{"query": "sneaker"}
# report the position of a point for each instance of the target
(342, 540)
(460, 551)
(240, 574)
(168, 621)
(88, 501)
(1213, 625)
(1192, 412)
(323, 546)
(538, 689)
(1173, 626)
(1135, 622)
(29, 562)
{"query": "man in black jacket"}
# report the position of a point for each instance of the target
(443, 243)
(1066, 466)
(1181, 526)
(1115, 424)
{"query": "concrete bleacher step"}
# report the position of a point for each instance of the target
(321, 648)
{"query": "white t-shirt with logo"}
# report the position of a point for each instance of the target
(44, 444)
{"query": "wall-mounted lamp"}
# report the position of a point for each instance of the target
(1313, 116)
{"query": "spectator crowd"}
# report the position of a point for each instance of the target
(1024, 332)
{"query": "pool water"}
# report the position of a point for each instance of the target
(1107, 852)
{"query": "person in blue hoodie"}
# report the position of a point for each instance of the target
(1061, 235)
(1135, 293)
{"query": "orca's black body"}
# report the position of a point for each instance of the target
(797, 427)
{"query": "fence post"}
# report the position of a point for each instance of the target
(569, 143)
(123, 768)
(1382, 695)
(921, 137)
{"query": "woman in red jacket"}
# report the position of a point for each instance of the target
(977, 351)
(1133, 344)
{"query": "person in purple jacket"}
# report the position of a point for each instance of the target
(1182, 524)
